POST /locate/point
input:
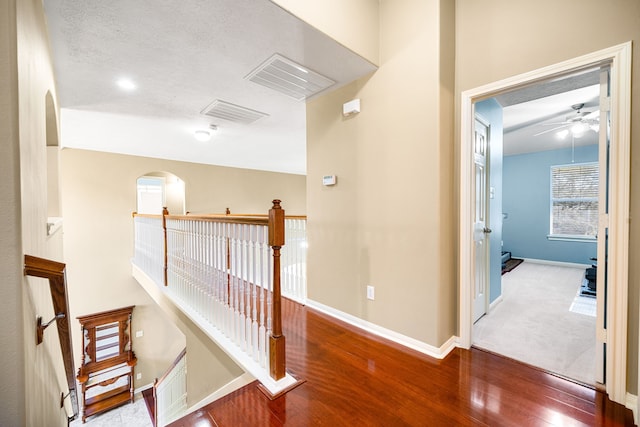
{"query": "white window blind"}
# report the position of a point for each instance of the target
(574, 200)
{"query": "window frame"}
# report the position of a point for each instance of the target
(570, 237)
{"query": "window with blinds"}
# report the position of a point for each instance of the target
(574, 200)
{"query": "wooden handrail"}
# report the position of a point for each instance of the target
(229, 214)
(217, 216)
(159, 381)
(246, 219)
(55, 272)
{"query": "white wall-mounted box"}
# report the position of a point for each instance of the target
(329, 180)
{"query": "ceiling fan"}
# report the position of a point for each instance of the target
(577, 125)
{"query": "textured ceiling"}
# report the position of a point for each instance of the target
(183, 56)
(546, 105)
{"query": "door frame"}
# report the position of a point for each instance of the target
(619, 58)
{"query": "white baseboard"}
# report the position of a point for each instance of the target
(631, 402)
(231, 386)
(556, 263)
(422, 347)
(495, 302)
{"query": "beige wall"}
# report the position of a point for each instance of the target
(98, 197)
(208, 367)
(389, 220)
(12, 388)
(497, 39)
(31, 388)
(353, 23)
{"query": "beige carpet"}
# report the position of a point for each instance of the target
(541, 322)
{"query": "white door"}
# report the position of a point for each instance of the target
(480, 223)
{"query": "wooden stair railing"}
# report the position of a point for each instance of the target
(275, 221)
(55, 272)
(276, 216)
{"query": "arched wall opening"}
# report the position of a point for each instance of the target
(54, 211)
(156, 190)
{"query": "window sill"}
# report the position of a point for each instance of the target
(569, 238)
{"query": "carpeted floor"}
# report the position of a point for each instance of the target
(540, 321)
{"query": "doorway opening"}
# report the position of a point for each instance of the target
(543, 183)
(158, 190)
(613, 223)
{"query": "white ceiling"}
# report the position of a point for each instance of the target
(544, 106)
(183, 56)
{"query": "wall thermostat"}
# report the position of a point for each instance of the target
(329, 180)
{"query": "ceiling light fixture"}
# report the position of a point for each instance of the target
(203, 135)
(126, 84)
(578, 129)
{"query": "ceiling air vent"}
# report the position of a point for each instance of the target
(231, 112)
(287, 77)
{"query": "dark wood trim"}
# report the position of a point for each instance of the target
(148, 394)
(55, 272)
(253, 220)
(277, 347)
(165, 213)
(229, 214)
(95, 319)
(109, 368)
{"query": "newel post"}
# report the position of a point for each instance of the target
(276, 340)
(165, 212)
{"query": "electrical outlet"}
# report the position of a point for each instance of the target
(139, 334)
(138, 376)
(371, 293)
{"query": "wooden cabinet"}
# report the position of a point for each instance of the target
(108, 361)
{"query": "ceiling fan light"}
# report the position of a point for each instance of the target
(562, 134)
(578, 129)
(595, 127)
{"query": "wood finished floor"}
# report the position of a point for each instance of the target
(357, 379)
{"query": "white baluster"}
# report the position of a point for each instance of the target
(229, 301)
(241, 290)
(236, 283)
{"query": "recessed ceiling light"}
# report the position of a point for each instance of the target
(126, 84)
